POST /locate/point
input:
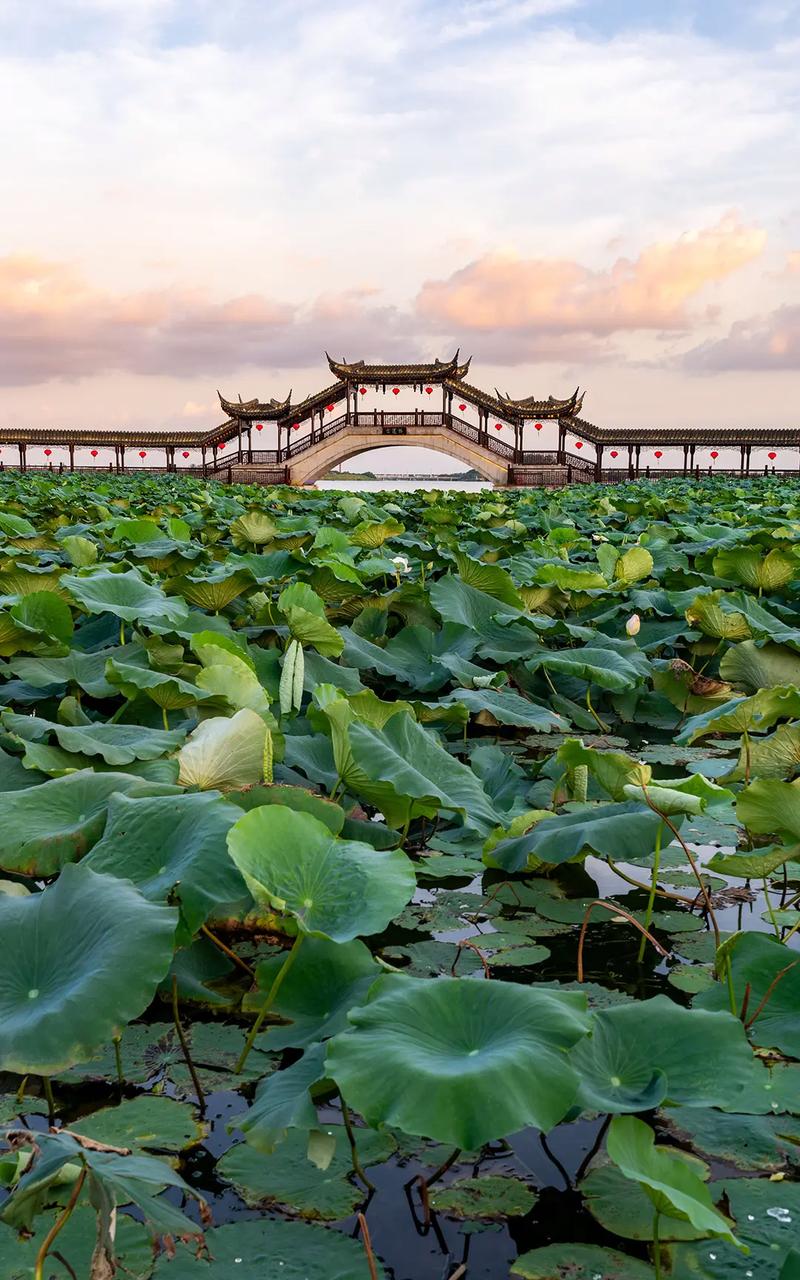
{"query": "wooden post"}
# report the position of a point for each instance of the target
(23, 457)
(71, 457)
(598, 466)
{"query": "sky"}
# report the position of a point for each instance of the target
(603, 193)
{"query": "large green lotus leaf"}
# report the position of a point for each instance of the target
(14, 639)
(756, 960)
(503, 706)
(326, 980)
(224, 753)
(167, 691)
(288, 1178)
(612, 769)
(84, 957)
(490, 579)
(337, 889)
(16, 526)
(635, 564)
(213, 650)
(283, 1102)
(137, 530)
(493, 1196)
(117, 744)
(254, 527)
(310, 629)
(579, 1262)
(126, 595)
(463, 1062)
(86, 670)
(766, 1216)
(412, 665)
(607, 667)
(766, 1143)
(44, 613)
(373, 533)
(173, 846)
(744, 715)
(570, 577)
(751, 566)
(767, 806)
(132, 1247)
(292, 797)
(758, 864)
(272, 1250)
(775, 1089)
(237, 685)
(618, 831)
(638, 1055)
(46, 826)
(675, 1190)
(412, 760)
(81, 551)
(212, 591)
(707, 613)
(15, 775)
(776, 755)
(626, 1210)
(145, 1124)
(760, 668)
(152, 1052)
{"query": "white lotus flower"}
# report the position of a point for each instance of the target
(633, 625)
(401, 565)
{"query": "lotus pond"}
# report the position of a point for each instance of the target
(402, 887)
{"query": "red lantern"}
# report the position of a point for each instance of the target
(614, 453)
(295, 426)
(259, 426)
(395, 391)
(186, 453)
(462, 407)
(772, 456)
(714, 453)
(47, 452)
(142, 453)
(538, 426)
(498, 427)
(428, 391)
(578, 444)
(658, 454)
(94, 453)
(362, 391)
(330, 407)
(221, 445)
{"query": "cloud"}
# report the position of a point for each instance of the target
(544, 298)
(764, 343)
(54, 324)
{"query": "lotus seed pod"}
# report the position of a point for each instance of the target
(633, 624)
(268, 758)
(580, 782)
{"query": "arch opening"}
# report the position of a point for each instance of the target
(443, 450)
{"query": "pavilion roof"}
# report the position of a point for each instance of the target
(405, 374)
(252, 410)
(648, 437)
(530, 407)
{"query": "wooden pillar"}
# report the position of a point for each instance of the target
(23, 457)
(685, 458)
(122, 456)
(71, 457)
(638, 456)
(748, 452)
(598, 466)
(203, 449)
(562, 434)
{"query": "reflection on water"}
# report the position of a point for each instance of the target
(402, 486)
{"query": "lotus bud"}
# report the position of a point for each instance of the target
(633, 625)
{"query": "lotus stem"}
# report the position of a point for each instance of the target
(771, 910)
(122, 631)
(767, 996)
(747, 756)
(268, 1003)
(791, 932)
(745, 1003)
(617, 911)
(118, 1062)
(21, 1090)
(358, 1168)
(367, 1242)
(48, 1093)
(38, 1270)
(729, 981)
(648, 915)
(690, 859)
(185, 1045)
(466, 944)
(442, 1170)
(165, 718)
(640, 884)
(227, 951)
(656, 1246)
(602, 726)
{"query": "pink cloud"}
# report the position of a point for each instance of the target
(545, 296)
(765, 342)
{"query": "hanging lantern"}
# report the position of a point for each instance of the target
(94, 453)
(658, 454)
(772, 456)
(142, 453)
(428, 391)
(395, 391)
(186, 453)
(259, 426)
(295, 426)
(330, 407)
(578, 444)
(462, 407)
(47, 452)
(538, 426)
(614, 453)
(714, 454)
(498, 426)
(362, 391)
(221, 445)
